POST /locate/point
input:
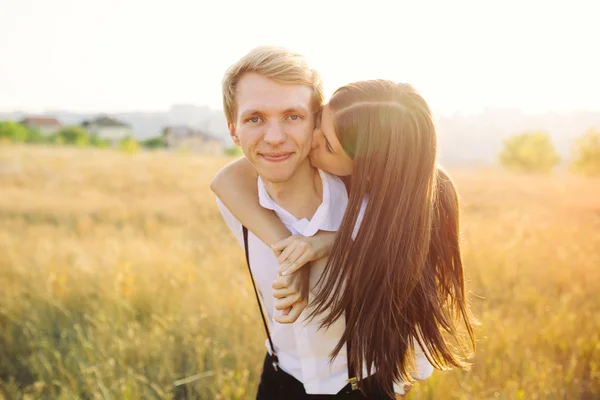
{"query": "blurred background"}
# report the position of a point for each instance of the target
(118, 278)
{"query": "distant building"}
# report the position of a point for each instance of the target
(107, 128)
(45, 125)
(197, 141)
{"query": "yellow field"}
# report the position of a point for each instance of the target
(118, 280)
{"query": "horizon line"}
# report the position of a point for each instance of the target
(481, 110)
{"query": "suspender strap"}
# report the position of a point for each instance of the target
(351, 374)
(274, 354)
(352, 378)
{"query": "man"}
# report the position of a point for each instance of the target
(270, 99)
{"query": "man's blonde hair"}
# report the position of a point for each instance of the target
(277, 63)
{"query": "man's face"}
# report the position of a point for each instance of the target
(273, 126)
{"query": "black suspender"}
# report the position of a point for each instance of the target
(352, 377)
(274, 354)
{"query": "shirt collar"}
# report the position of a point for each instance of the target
(329, 214)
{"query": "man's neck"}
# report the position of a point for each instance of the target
(301, 195)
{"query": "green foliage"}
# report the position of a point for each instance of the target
(586, 154)
(13, 132)
(34, 136)
(529, 152)
(72, 135)
(95, 141)
(128, 145)
(153, 143)
(233, 151)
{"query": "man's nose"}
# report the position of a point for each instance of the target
(274, 134)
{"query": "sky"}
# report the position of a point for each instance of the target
(147, 55)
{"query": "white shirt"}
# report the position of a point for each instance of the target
(302, 348)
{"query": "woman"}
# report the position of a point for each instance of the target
(394, 267)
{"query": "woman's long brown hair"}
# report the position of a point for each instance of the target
(400, 281)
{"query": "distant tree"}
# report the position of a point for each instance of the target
(153, 142)
(35, 136)
(128, 145)
(586, 154)
(529, 152)
(234, 151)
(13, 132)
(95, 141)
(73, 135)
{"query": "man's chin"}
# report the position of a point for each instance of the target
(274, 173)
(275, 178)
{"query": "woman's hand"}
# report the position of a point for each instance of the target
(297, 250)
(288, 297)
(293, 253)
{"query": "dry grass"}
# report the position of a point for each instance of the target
(118, 280)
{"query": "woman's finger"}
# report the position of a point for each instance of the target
(286, 253)
(281, 282)
(282, 244)
(296, 265)
(294, 255)
(293, 314)
(281, 293)
(286, 302)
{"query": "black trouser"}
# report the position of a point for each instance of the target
(278, 385)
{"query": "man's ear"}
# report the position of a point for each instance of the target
(233, 134)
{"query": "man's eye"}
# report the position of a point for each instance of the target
(254, 120)
(294, 117)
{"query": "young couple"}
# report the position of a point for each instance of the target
(353, 239)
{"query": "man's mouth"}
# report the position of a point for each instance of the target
(276, 157)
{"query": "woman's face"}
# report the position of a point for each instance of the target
(327, 152)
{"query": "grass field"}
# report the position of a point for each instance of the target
(118, 280)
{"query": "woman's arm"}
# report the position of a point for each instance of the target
(235, 185)
(296, 251)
